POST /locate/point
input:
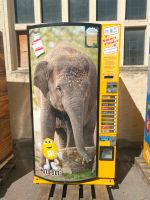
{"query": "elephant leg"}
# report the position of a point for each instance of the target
(70, 137)
(88, 132)
(61, 137)
(47, 122)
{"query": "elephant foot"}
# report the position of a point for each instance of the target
(86, 158)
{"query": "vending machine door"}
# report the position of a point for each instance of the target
(64, 73)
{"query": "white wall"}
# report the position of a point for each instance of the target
(19, 104)
(132, 103)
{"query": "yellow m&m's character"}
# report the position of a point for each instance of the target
(49, 149)
(50, 152)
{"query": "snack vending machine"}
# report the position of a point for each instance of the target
(147, 121)
(74, 79)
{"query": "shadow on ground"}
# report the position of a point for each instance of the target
(125, 161)
(24, 163)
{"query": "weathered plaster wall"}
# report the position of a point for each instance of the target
(1, 15)
(132, 102)
(19, 104)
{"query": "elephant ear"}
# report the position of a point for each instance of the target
(41, 77)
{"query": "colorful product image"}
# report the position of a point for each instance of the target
(147, 121)
(64, 66)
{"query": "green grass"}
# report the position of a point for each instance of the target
(148, 105)
(37, 159)
(81, 175)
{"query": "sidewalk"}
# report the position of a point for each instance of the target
(131, 184)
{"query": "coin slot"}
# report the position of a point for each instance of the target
(108, 77)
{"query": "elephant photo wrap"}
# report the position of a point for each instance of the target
(64, 84)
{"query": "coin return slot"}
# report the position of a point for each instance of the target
(108, 77)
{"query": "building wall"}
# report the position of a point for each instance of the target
(1, 15)
(20, 113)
(132, 103)
(18, 89)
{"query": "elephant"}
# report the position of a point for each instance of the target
(67, 80)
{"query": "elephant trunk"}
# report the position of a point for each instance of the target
(75, 111)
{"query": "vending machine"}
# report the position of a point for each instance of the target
(147, 121)
(74, 79)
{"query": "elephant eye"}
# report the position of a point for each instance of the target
(58, 88)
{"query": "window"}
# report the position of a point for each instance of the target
(17, 14)
(78, 10)
(24, 13)
(106, 10)
(39, 11)
(22, 48)
(51, 10)
(134, 46)
(135, 9)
